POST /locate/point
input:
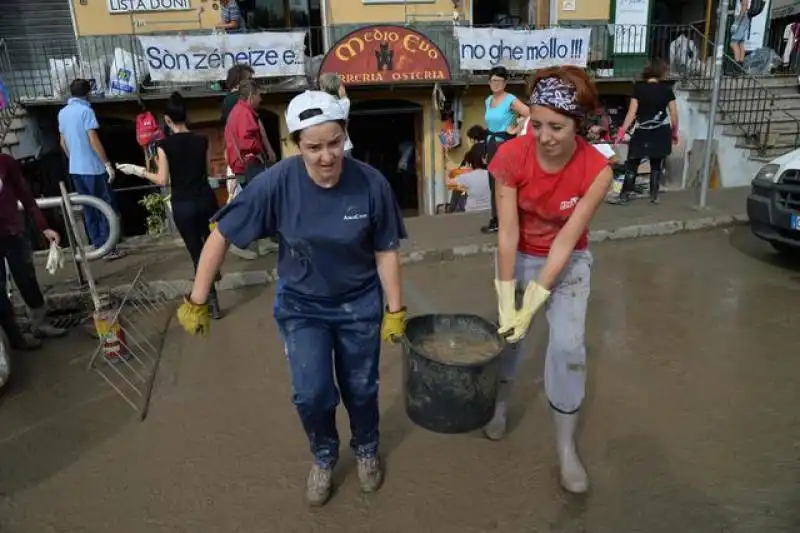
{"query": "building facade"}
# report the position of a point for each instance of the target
(408, 65)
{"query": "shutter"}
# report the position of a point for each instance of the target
(36, 30)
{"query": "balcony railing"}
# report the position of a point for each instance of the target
(769, 124)
(43, 72)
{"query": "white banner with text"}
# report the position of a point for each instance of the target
(208, 57)
(485, 48)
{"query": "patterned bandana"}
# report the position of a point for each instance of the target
(557, 95)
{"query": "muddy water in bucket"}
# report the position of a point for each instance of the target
(450, 371)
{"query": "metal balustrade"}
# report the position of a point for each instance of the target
(43, 72)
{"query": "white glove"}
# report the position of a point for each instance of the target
(134, 170)
(110, 172)
(233, 190)
(55, 259)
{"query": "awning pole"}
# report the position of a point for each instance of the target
(707, 30)
(719, 53)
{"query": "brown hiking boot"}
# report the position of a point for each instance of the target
(370, 474)
(319, 485)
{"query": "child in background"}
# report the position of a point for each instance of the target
(477, 136)
(472, 179)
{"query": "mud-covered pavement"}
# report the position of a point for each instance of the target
(691, 422)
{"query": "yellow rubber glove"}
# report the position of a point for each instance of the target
(535, 296)
(194, 317)
(506, 305)
(394, 324)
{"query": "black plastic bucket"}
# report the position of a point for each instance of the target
(450, 397)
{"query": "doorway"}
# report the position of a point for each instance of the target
(387, 135)
(282, 14)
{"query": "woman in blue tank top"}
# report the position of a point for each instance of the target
(502, 110)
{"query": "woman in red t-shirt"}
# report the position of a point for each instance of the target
(549, 187)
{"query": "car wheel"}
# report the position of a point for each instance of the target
(785, 249)
(5, 360)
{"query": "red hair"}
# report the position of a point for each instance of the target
(586, 92)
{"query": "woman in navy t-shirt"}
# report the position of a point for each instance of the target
(339, 230)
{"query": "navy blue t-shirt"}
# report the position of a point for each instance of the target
(327, 237)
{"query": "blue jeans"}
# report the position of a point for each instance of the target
(95, 185)
(326, 344)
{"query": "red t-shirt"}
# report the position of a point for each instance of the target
(243, 131)
(545, 200)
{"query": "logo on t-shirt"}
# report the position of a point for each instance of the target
(353, 213)
(569, 204)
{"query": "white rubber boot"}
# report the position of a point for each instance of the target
(573, 475)
(498, 425)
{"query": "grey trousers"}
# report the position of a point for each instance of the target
(565, 363)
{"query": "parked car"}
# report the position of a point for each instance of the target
(773, 205)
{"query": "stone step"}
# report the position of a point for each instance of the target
(17, 124)
(11, 139)
(763, 81)
(740, 115)
(776, 80)
(747, 91)
(784, 131)
(785, 103)
(767, 155)
(777, 143)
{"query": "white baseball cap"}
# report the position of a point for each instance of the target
(312, 108)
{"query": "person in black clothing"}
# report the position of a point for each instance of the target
(182, 162)
(655, 113)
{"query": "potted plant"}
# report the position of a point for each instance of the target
(156, 206)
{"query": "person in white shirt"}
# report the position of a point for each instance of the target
(683, 55)
(475, 182)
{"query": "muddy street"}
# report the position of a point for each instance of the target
(690, 423)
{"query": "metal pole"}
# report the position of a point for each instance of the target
(81, 246)
(719, 54)
(707, 28)
(73, 246)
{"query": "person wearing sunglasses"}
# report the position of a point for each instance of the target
(503, 109)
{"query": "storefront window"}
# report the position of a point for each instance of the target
(285, 14)
(500, 13)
